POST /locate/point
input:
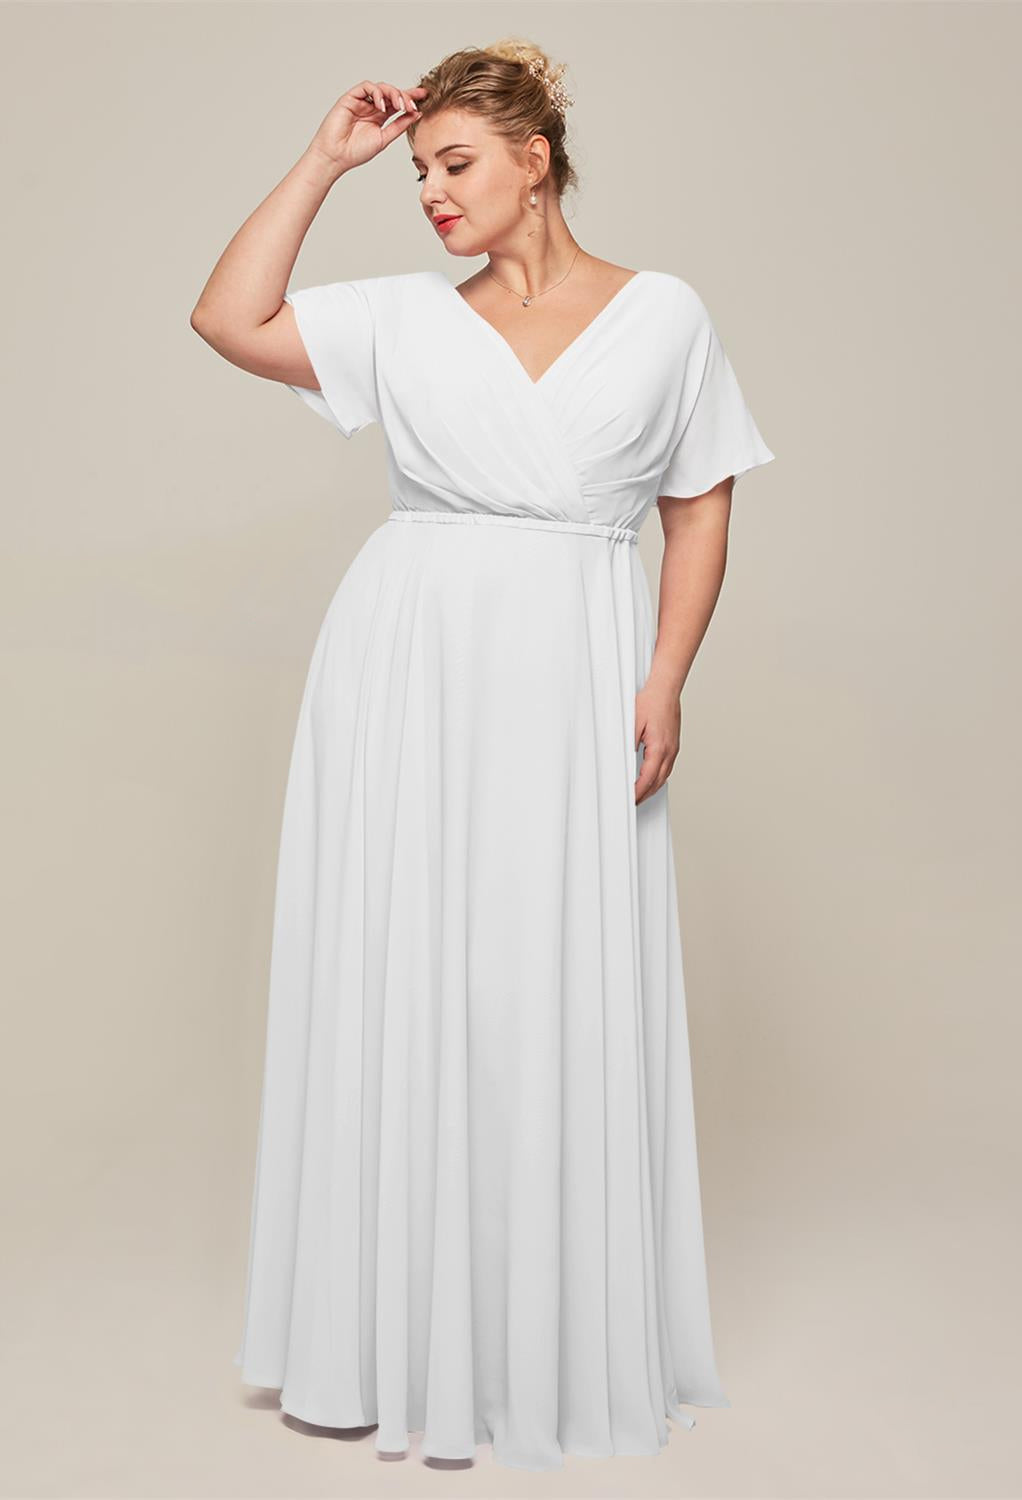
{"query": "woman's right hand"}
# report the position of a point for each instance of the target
(351, 133)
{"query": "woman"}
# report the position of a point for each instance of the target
(476, 1210)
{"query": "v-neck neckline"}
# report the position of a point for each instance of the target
(568, 349)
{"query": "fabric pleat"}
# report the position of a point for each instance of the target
(476, 1208)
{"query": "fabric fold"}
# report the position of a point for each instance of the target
(476, 1211)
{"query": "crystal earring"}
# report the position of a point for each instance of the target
(532, 197)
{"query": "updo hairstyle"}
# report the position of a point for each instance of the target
(497, 83)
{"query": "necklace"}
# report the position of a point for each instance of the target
(532, 298)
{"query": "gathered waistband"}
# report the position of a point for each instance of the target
(538, 523)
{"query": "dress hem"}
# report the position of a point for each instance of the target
(671, 1414)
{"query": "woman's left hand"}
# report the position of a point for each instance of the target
(658, 727)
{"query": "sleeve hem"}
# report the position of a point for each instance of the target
(334, 324)
(319, 404)
(709, 481)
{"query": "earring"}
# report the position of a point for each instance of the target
(532, 197)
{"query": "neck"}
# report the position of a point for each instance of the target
(540, 267)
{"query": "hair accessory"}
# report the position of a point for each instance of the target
(559, 96)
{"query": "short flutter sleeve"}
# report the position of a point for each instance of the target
(716, 435)
(336, 325)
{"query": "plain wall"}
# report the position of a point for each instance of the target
(840, 185)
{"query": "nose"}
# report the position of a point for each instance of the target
(429, 192)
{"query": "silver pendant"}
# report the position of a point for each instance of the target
(526, 301)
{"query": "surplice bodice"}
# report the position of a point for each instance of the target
(642, 403)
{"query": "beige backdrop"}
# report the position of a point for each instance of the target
(840, 184)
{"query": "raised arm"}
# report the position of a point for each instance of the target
(241, 312)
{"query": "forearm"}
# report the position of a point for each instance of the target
(691, 574)
(248, 282)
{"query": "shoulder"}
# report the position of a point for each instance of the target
(681, 300)
(684, 324)
(389, 298)
(392, 288)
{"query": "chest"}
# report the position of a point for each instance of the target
(540, 334)
(447, 373)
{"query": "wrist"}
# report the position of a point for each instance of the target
(664, 681)
(320, 169)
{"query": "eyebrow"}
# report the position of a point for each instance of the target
(459, 146)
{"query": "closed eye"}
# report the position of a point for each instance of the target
(460, 168)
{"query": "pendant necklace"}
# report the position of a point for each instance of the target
(527, 300)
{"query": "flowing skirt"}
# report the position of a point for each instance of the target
(476, 1211)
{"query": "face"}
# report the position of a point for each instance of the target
(468, 174)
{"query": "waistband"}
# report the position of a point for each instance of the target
(537, 523)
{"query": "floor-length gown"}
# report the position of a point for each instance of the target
(476, 1211)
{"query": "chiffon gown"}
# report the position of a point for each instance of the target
(476, 1212)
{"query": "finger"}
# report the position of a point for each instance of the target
(644, 783)
(399, 100)
(395, 127)
(362, 93)
(663, 772)
(652, 781)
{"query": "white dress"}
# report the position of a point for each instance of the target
(476, 1211)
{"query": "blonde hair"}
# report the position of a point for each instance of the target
(514, 87)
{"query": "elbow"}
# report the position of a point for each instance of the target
(203, 317)
(207, 329)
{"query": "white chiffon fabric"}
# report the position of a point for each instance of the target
(476, 1213)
